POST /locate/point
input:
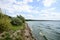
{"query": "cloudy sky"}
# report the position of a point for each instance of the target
(32, 9)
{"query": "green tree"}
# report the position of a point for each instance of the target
(16, 21)
(21, 18)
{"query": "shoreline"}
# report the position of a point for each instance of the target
(24, 34)
(28, 35)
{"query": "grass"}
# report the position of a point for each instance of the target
(7, 26)
(18, 27)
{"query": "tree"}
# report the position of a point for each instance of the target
(21, 18)
(16, 21)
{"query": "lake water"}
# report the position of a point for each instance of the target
(50, 29)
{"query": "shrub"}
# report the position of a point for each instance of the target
(16, 21)
(21, 18)
(4, 23)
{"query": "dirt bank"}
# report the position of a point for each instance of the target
(24, 34)
(28, 35)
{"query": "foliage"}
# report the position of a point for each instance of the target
(4, 23)
(21, 18)
(14, 36)
(16, 21)
(8, 23)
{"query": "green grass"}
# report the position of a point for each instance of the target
(8, 23)
(18, 27)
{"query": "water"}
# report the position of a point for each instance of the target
(50, 29)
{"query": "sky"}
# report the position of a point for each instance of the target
(32, 9)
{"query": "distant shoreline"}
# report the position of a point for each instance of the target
(42, 20)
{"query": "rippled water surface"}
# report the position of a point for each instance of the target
(50, 29)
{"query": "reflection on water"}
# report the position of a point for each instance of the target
(50, 29)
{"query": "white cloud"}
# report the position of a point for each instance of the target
(38, 0)
(26, 1)
(48, 3)
(47, 10)
(28, 16)
(49, 14)
(21, 5)
(13, 7)
(18, 6)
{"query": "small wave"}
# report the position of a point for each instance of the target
(57, 27)
(43, 35)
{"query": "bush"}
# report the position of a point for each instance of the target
(16, 21)
(21, 18)
(4, 23)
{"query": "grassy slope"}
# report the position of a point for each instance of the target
(17, 27)
(5, 24)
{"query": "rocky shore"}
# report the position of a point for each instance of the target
(28, 35)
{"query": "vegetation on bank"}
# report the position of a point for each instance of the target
(9, 24)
